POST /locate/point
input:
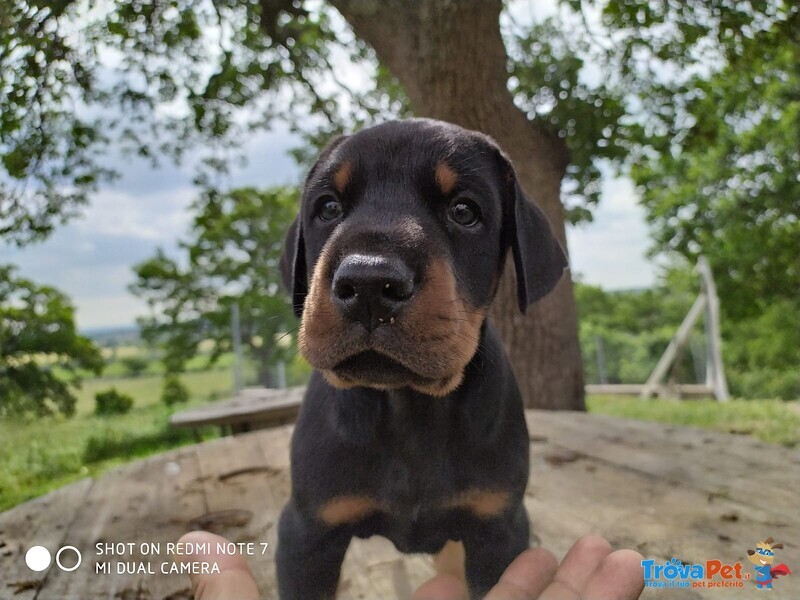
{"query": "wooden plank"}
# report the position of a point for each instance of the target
(683, 390)
(179, 497)
(573, 495)
(716, 368)
(118, 508)
(245, 492)
(623, 389)
(701, 459)
(43, 521)
(667, 491)
(678, 340)
(271, 405)
(368, 568)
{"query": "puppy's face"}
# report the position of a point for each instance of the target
(397, 252)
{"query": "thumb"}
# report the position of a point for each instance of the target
(234, 580)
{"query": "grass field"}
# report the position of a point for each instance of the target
(41, 454)
(773, 421)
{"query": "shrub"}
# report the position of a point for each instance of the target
(112, 402)
(174, 392)
(135, 365)
(111, 444)
(764, 383)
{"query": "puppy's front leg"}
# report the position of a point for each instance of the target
(491, 547)
(309, 557)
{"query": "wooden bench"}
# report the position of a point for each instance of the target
(251, 409)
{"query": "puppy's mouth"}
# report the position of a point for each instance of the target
(425, 347)
(375, 368)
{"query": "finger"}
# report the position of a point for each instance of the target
(581, 560)
(234, 579)
(619, 577)
(442, 587)
(526, 577)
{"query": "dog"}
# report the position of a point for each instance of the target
(412, 426)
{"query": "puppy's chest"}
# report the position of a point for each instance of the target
(416, 473)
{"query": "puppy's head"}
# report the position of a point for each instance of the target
(397, 251)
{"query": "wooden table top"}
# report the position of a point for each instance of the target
(665, 491)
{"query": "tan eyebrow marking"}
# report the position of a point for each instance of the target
(446, 177)
(341, 177)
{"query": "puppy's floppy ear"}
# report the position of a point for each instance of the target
(294, 270)
(293, 266)
(539, 260)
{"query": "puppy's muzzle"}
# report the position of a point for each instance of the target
(372, 290)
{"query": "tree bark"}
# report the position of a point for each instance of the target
(451, 60)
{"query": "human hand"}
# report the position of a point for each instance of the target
(233, 582)
(589, 570)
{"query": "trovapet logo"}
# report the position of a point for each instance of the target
(710, 574)
(716, 573)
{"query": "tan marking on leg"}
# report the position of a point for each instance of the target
(482, 503)
(341, 177)
(446, 177)
(450, 560)
(348, 509)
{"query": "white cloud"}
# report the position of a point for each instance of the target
(610, 251)
(156, 216)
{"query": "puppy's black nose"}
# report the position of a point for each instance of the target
(372, 289)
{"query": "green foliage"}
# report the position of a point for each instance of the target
(231, 257)
(765, 383)
(73, 81)
(116, 443)
(39, 454)
(546, 69)
(38, 336)
(761, 354)
(714, 109)
(174, 392)
(768, 420)
(135, 365)
(633, 329)
(112, 402)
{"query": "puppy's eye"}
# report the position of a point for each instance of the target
(330, 209)
(464, 212)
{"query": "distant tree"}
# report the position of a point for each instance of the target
(174, 392)
(112, 402)
(231, 256)
(135, 365)
(38, 338)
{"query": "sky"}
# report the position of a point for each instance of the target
(90, 258)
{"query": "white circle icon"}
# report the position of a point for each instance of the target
(37, 558)
(58, 559)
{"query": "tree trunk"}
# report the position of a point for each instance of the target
(451, 60)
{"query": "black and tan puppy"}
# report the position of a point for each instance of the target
(412, 426)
